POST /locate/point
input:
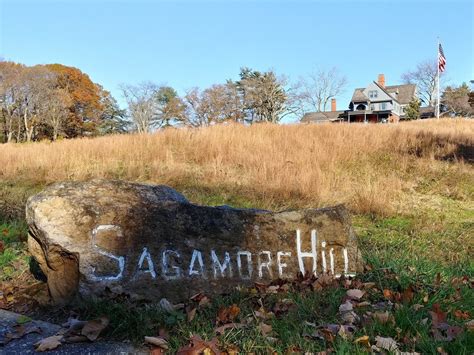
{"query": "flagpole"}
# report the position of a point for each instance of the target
(437, 65)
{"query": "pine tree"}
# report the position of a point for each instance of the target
(412, 110)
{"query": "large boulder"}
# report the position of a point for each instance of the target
(149, 242)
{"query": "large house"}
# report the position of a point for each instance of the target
(374, 103)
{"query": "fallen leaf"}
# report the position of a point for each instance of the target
(199, 346)
(350, 317)
(470, 325)
(368, 285)
(461, 315)
(417, 307)
(329, 336)
(220, 330)
(408, 294)
(323, 281)
(190, 313)
(363, 340)
(166, 305)
(453, 332)
(345, 307)
(227, 314)
(157, 341)
(272, 289)
(383, 317)
(20, 331)
(386, 343)
(362, 304)
(355, 294)
(2, 246)
(347, 315)
(262, 314)
(437, 315)
(93, 328)
(49, 343)
(346, 331)
(388, 294)
(265, 328)
(283, 307)
(441, 351)
(232, 350)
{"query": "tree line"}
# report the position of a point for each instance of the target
(56, 101)
(52, 101)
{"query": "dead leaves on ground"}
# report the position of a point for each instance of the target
(199, 346)
(74, 331)
(440, 329)
(49, 343)
(19, 331)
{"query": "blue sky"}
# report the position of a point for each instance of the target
(198, 43)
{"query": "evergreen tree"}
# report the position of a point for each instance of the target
(412, 110)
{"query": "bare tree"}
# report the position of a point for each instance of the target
(55, 109)
(142, 105)
(10, 84)
(424, 76)
(216, 104)
(36, 82)
(318, 88)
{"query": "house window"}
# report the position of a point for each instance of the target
(372, 107)
(373, 94)
(383, 106)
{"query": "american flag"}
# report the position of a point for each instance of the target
(441, 59)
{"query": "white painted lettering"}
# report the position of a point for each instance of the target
(301, 254)
(166, 268)
(266, 264)
(282, 265)
(323, 256)
(331, 259)
(197, 255)
(151, 268)
(346, 261)
(120, 259)
(218, 267)
(249, 264)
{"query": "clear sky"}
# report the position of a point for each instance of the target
(198, 43)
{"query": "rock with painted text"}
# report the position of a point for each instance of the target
(148, 241)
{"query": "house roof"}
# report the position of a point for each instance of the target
(322, 116)
(359, 96)
(404, 93)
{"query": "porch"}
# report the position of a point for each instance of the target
(368, 117)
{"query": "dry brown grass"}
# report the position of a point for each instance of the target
(368, 167)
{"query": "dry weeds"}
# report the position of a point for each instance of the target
(369, 167)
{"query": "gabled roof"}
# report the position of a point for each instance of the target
(401, 93)
(359, 96)
(322, 116)
(406, 92)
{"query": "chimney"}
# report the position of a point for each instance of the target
(333, 105)
(381, 80)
